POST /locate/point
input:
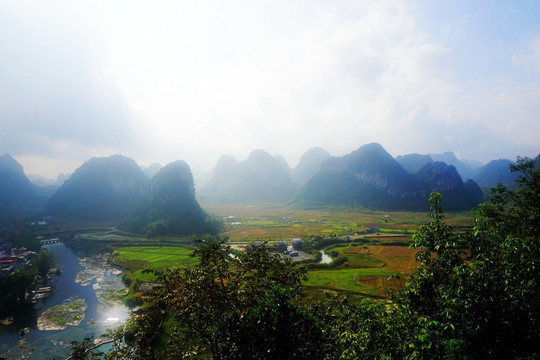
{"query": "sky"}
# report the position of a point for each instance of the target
(161, 81)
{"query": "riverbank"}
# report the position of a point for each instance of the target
(84, 302)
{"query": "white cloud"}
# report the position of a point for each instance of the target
(191, 80)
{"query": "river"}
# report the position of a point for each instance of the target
(76, 281)
(325, 258)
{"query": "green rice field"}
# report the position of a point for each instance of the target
(153, 257)
(349, 280)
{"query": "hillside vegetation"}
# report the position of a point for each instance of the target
(172, 208)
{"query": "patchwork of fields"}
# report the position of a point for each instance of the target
(265, 222)
(370, 264)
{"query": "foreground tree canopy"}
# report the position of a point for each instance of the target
(475, 295)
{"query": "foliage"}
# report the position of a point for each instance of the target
(84, 350)
(24, 238)
(474, 295)
(172, 208)
(44, 261)
(277, 329)
(13, 289)
(226, 308)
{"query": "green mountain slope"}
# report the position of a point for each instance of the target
(370, 177)
(172, 208)
(445, 179)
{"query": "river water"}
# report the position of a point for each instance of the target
(325, 258)
(46, 344)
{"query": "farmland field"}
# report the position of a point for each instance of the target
(377, 259)
(347, 280)
(369, 268)
(137, 258)
(368, 271)
(271, 221)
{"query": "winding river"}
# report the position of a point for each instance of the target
(76, 282)
(325, 258)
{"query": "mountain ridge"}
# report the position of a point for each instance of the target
(260, 178)
(104, 188)
(371, 177)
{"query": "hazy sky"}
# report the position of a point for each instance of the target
(191, 80)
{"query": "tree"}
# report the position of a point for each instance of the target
(13, 290)
(474, 295)
(25, 237)
(84, 350)
(44, 261)
(226, 307)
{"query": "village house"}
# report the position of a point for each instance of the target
(297, 244)
(280, 246)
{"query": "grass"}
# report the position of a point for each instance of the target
(153, 257)
(368, 270)
(139, 258)
(110, 296)
(68, 313)
(359, 259)
(348, 280)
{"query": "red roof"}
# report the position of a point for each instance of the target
(7, 261)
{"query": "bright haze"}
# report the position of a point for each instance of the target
(160, 81)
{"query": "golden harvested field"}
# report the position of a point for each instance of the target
(368, 271)
(394, 258)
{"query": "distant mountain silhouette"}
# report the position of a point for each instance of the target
(47, 187)
(101, 189)
(17, 195)
(443, 178)
(39, 180)
(172, 208)
(450, 158)
(260, 178)
(283, 162)
(7, 162)
(413, 162)
(309, 165)
(201, 177)
(151, 170)
(370, 177)
(46, 191)
(15, 188)
(495, 172)
(472, 164)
